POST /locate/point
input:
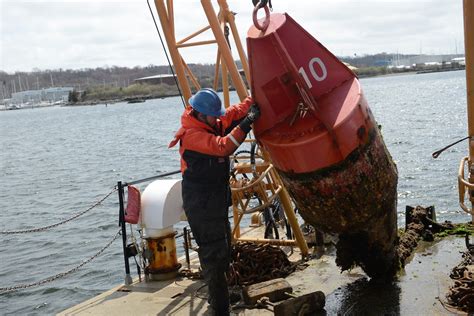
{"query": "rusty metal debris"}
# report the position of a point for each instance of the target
(253, 263)
(461, 294)
(191, 274)
(308, 304)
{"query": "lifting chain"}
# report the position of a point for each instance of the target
(4, 290)
(461, 294)
(253, 263)
(259, 4)
(40, 229)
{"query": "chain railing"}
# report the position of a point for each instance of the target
(4, 290)
(119, 188)
(40, 229)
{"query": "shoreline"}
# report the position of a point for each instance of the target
(411, 72)
(134, 99)
(143, 98)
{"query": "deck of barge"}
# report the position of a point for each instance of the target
(420, 289)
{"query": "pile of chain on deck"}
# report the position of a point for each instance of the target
(461, 294)
(252, 263)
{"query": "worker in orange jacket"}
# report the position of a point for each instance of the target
(208, 135)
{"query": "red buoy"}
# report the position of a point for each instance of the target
(324, 141)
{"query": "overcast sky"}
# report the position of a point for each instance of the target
(74, 34)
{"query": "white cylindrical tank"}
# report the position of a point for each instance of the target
(161, 207)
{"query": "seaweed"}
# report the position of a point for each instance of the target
(460, 229)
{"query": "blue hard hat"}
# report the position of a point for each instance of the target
(206, 101)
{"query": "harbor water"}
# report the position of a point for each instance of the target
(56, 162)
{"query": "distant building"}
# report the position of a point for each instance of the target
(50, 95)
(57, 94)
(26, 96)
(424, 59)
(157, 79)
(459, 60)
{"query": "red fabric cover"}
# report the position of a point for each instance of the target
(132, 212)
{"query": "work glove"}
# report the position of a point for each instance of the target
(252, 115)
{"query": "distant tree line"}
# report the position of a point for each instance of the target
(90, 78)
(101, 94)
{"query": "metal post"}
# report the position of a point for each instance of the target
(186, 246)
(290, 214)
(225, 84)
(128, 278)
(224, 49)
(469, 53)
(166, 19)
(229, 17)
